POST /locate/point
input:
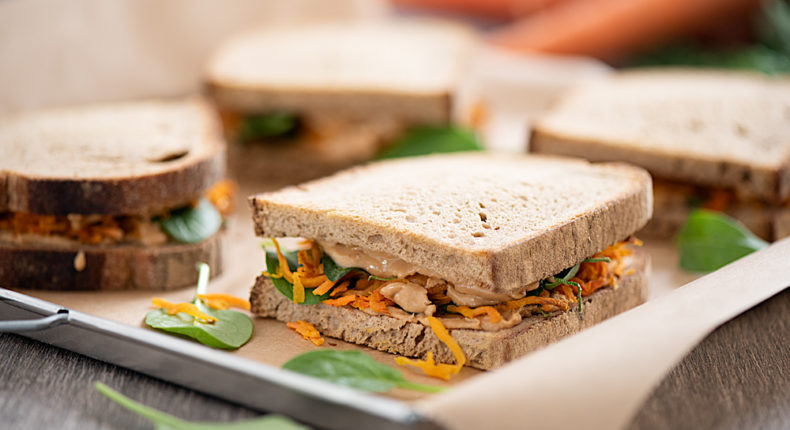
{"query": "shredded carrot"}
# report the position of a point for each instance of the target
(493, 315)
(342, 287)
(308, 331)
(187, 308)
(284, 270)
(324, 287)
(298, 291)
(221, 196)
(429, 366)
(224, 301)
(535, 300)
(342, 301)
(379, 303)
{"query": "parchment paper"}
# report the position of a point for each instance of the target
(57, 53)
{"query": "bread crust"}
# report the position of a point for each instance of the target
(166, 185)
(693, 158)
(107, 267)
(500, 261)
(484, 350)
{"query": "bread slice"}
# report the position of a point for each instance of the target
(483, 349)
(495, 222)
(406, 69)
(723, 129)
(106, 267)
(133, 158)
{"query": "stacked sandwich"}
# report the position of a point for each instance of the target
(110, 197)
(507, 253)
(304, 102)
(711, 139)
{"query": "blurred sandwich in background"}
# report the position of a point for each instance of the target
(713, 139)
(303, 102)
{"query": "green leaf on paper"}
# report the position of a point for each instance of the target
(353, 369)
(231, 330)
(431, 140)
(710, 240)
(192, 224)
(283, 286)
(163, 421)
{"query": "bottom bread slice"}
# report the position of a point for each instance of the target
(107, 267)
(483, 349)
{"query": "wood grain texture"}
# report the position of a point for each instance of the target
(47, 387)
(737, 378)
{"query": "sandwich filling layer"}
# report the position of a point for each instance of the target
(27, 228)
(343, 276)
(674, 201)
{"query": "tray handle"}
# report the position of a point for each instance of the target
(36, 324)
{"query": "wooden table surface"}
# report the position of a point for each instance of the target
(737, 378)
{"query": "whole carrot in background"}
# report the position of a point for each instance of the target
(612, 29)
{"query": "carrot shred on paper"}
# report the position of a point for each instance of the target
(308, 331)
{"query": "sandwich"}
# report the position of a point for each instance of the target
(306, 101)
(117, 196)
(508, 253)
(711, 139)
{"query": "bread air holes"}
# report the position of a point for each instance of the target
(170, 157)
(478, 234)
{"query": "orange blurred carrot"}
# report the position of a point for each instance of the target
(611, 29)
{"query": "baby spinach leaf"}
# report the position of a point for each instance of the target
(353, 369)
(597, 260)
(432, 139)
(192, 225)
(231, 330)
(332, 270)
(710, 240)
(286, 288)
(163, 421)
(268, 126)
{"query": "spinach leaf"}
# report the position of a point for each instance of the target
(163, 421)
(192, 225)
(432, 139)
(597, 260)
(710, 240)
(286, 288)
(231, 330)
(353, 369)
(332, 270)
(268, 126)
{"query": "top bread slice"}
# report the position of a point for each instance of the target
(132, 158)
(495, 222)
(711, 128)
(403, 68)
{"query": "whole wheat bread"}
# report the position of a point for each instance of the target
(125, 158)
(483, 349)
(106, 267)
(496, 222)
(724, 129)
(406, 69)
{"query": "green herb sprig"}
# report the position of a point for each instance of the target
(163, 421)
(192, 224)
(231, 330)
(432, 140)
(710, 240)
(353, 369)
